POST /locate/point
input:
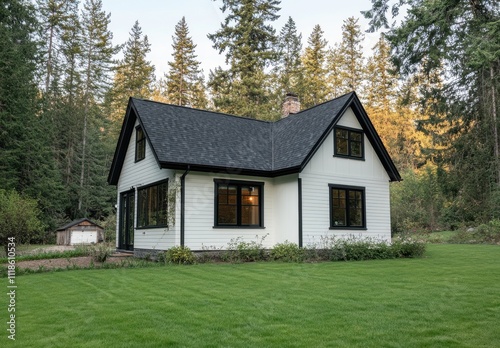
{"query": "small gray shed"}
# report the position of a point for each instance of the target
(82, 231)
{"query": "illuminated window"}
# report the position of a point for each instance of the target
(238, 203)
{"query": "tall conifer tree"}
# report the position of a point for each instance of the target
(457, 40)
(289, 67)
(248, 40)
(351, 57)
(134, 75)
(184, 80)
(314, 60)
(97, 60)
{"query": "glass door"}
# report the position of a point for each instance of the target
(126, 230)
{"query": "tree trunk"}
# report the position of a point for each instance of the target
(49, 60)
(495, 126)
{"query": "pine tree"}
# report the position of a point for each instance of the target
(394, 123)
(314, 63)
(69, 105)
(248, 42)
(351, 57)
(289, 67)
(458, 41)
(17, 88)
(97, 59)
(134, 75)
(55, 16)
(26, 154)
(334, 77)
(185, 84)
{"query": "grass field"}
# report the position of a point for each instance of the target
(449, 298)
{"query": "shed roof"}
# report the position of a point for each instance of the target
(76, 222)
(182, 137)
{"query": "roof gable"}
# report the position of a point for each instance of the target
(77, 222)
(182, 137)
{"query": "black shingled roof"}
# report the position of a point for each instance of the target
(182, 137)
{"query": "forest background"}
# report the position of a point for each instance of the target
(430, 86)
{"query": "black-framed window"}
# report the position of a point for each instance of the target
(238, 203)
(349, 143)
(152, 205)
(140, 144)
(347, 207)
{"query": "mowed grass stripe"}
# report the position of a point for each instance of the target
(449, 298)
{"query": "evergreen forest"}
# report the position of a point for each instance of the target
(430, 86)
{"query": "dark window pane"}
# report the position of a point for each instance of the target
(356, 149)
(347, 208)
(339, 217)
(153, 205)
(227, 215)
(342, 147)
(250, 215)
(355, 136)
(348, 143)
(140, 147)
(342, 133)
(162, 204)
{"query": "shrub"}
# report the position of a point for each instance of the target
(407, 247)
(287, 251)
(354, 249)
(181, 255)
(100, 252)
(484, 234)
(241, 251)
(19, 218)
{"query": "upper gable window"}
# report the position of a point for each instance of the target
(140, 144)
(349, 143)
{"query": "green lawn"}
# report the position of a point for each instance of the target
(449, 298)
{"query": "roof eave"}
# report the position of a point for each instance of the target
(131, 115)
(122, 145)
(229, 170)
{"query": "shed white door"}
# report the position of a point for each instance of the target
(83, 237)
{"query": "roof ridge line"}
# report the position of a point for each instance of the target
(204, 110)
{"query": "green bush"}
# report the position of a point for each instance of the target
(352, 248)
(100, 252)
(484, 234)
(287, 251)
(181, 255)
(241, 251)
(407, 247)
(19, 218)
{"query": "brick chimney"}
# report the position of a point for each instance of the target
(291, 105)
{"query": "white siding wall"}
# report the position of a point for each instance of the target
(324, 169)
(286, 208)
(139, 174)
(199, 214)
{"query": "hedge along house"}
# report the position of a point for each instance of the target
(82, 231)
(199, 179)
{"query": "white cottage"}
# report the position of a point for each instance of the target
(199, 179)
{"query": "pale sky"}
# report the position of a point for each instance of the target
(158, 18)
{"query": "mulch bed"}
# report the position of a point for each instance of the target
(78, 262)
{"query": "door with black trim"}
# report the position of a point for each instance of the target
(126, 229)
